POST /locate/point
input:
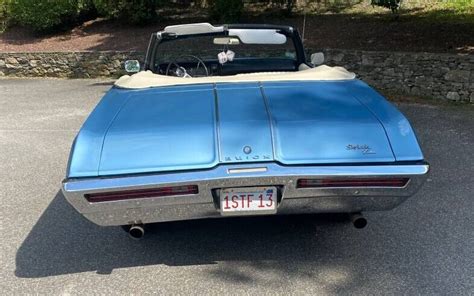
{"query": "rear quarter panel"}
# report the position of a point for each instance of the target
(87, 146)
(401, 135)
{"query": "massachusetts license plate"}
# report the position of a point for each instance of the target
(248, 201)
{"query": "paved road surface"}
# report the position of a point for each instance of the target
(426, 246)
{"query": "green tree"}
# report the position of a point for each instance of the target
(43, 16)
(135, 12)
(226, 10)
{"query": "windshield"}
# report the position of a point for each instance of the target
(232, 52)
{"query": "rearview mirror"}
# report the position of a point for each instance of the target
(317, 58)
(132, 66)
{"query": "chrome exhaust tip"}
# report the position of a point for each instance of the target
(358, 220)
(136, 231)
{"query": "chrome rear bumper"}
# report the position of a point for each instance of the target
(205, 203)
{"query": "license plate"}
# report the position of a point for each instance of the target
(248, 201)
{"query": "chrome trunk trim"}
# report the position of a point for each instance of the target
(203, 205)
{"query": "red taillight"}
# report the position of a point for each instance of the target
(352, 182)
(141, 193)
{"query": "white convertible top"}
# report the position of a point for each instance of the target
(147, 79)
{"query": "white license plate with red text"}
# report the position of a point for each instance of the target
(248, 201)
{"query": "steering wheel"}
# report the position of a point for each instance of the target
(180, 71)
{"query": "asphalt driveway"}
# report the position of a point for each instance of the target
(426, 246)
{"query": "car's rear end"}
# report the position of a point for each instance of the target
(226, 149)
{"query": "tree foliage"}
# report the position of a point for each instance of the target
(135, 12)
(52, 15)
(393, 5)
(4, 14)
(44, 16)
(226, 11)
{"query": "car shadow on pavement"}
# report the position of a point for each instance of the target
(63, 242)
(422, 247)
(323, 248)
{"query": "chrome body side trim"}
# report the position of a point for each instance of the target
(204, 205)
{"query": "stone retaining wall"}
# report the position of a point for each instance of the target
(435, 75)
(66, 64)
(440, 76)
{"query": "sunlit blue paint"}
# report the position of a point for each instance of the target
(160, 130)
(87, 147)
(402, 137)
(199, 126)
(243, 122)
(320, 122)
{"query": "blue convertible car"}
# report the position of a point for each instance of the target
(233, 120)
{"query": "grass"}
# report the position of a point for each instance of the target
(452, 11)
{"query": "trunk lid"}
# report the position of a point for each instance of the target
(200, 126)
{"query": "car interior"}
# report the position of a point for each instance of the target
(234, 52)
